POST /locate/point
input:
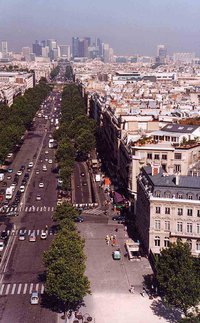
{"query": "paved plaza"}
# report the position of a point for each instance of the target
(111, 301)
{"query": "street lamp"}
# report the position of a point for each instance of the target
(84, 317)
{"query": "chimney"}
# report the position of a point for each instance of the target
(155, 170)
(177, 179)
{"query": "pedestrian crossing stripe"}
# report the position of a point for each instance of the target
(36, 232)
(27, 209)
(20, 288)
(94, 211)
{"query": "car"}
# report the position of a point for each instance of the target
(26, 175)
(12, 213)
(82, 174)
(32, 237)
(84, 183)
(34, 298)
(4, 184)
(46, 159)
(8, 177)
(22, 188)
(46, 152)
(50, 161)
(2, 191)
(22, 236)
(13, 184)
(116, 255)
(38, 197)
(4, 235)
(10, 170)
(44, 234)
(22, 168)
(19, 173)
(10, 155)
(44, 168)
(24, 181)
(29, 169)
(119, 218)
(1, 245)
(30, 165)
(79, 219)
(37, 172)
(41, 185)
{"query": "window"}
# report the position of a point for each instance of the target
(198, 245)
(198, 228)
(180, 226)
(189, 242)
(156, 156)
(157, 224)
(177, 168)
(189, 227)
(157, 193)
(167, 225)
(166, 242)
(178, 156)
(198, 213)
(157, 241)
(149, 156)
(167, 194)
(167, 210)
(189, 212)
(180, 196)
(180, 211)
(189, 196)
(174, 139)
(167, 138)
(164, 157)
(158, 209)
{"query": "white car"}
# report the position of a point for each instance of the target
(46, 159)
(1, 245)
(41, 185)
(50, 161)
(46, 152)
(44, 235)
(22, 188)
(30, 165)
(19, 173)
(38, 197)
(34, 298)
(44, 168)
(37, 172)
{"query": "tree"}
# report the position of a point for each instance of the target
(64, 211)
(177, 276)
(85, 141)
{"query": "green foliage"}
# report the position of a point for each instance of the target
(65, 211)
(69, 73)
(16, 119)
(178, 277)
(55, 72)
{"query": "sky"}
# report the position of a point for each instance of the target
(129, 26)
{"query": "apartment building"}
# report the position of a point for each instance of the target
(168, 208)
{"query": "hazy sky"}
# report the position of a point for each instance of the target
(130, 26)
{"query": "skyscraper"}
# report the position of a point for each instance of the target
(161, 53)
(51, 43)
(75, 47)
(64, 51)
(37, 48)
(4, 47)
(26, 52)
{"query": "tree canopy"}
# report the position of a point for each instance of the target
(178, 276)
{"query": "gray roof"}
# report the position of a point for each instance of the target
(180, 128)
(191, 182)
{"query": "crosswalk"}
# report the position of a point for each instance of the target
(28, 232)
(97, 211)
(20, 288)
(29, 208)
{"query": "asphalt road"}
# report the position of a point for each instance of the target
(21, 267)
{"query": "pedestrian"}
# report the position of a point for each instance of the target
(114, 241)
(116, 230)
(107, 240)
(132, 289)
(125, 228)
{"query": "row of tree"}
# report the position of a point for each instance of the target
(66, 282)
(55, 72)
(69, 73)
(16, 119)
(76, 134)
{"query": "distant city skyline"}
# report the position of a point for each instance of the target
(134, 27)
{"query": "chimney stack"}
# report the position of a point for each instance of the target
(155, 170)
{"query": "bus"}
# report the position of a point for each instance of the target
(51, 143)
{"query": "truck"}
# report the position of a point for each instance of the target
(1, 177)
(9, 193)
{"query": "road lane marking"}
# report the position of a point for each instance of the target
(42, 289)
(29, 232)
(38, 232)
(37, 208)
(49, 208)
(19, 288)
(13, 289)
(37, 287)
(41, 208)
(1, 290)
(25, 288)
(7, 289)
(26, 208)
(31, 288)
(52, 209)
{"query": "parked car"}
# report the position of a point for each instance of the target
(22, 188)
(119, 218)
(19, 173)
(30, 165)
(2, 245)
(79, 219)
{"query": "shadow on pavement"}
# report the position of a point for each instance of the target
(161, 310)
